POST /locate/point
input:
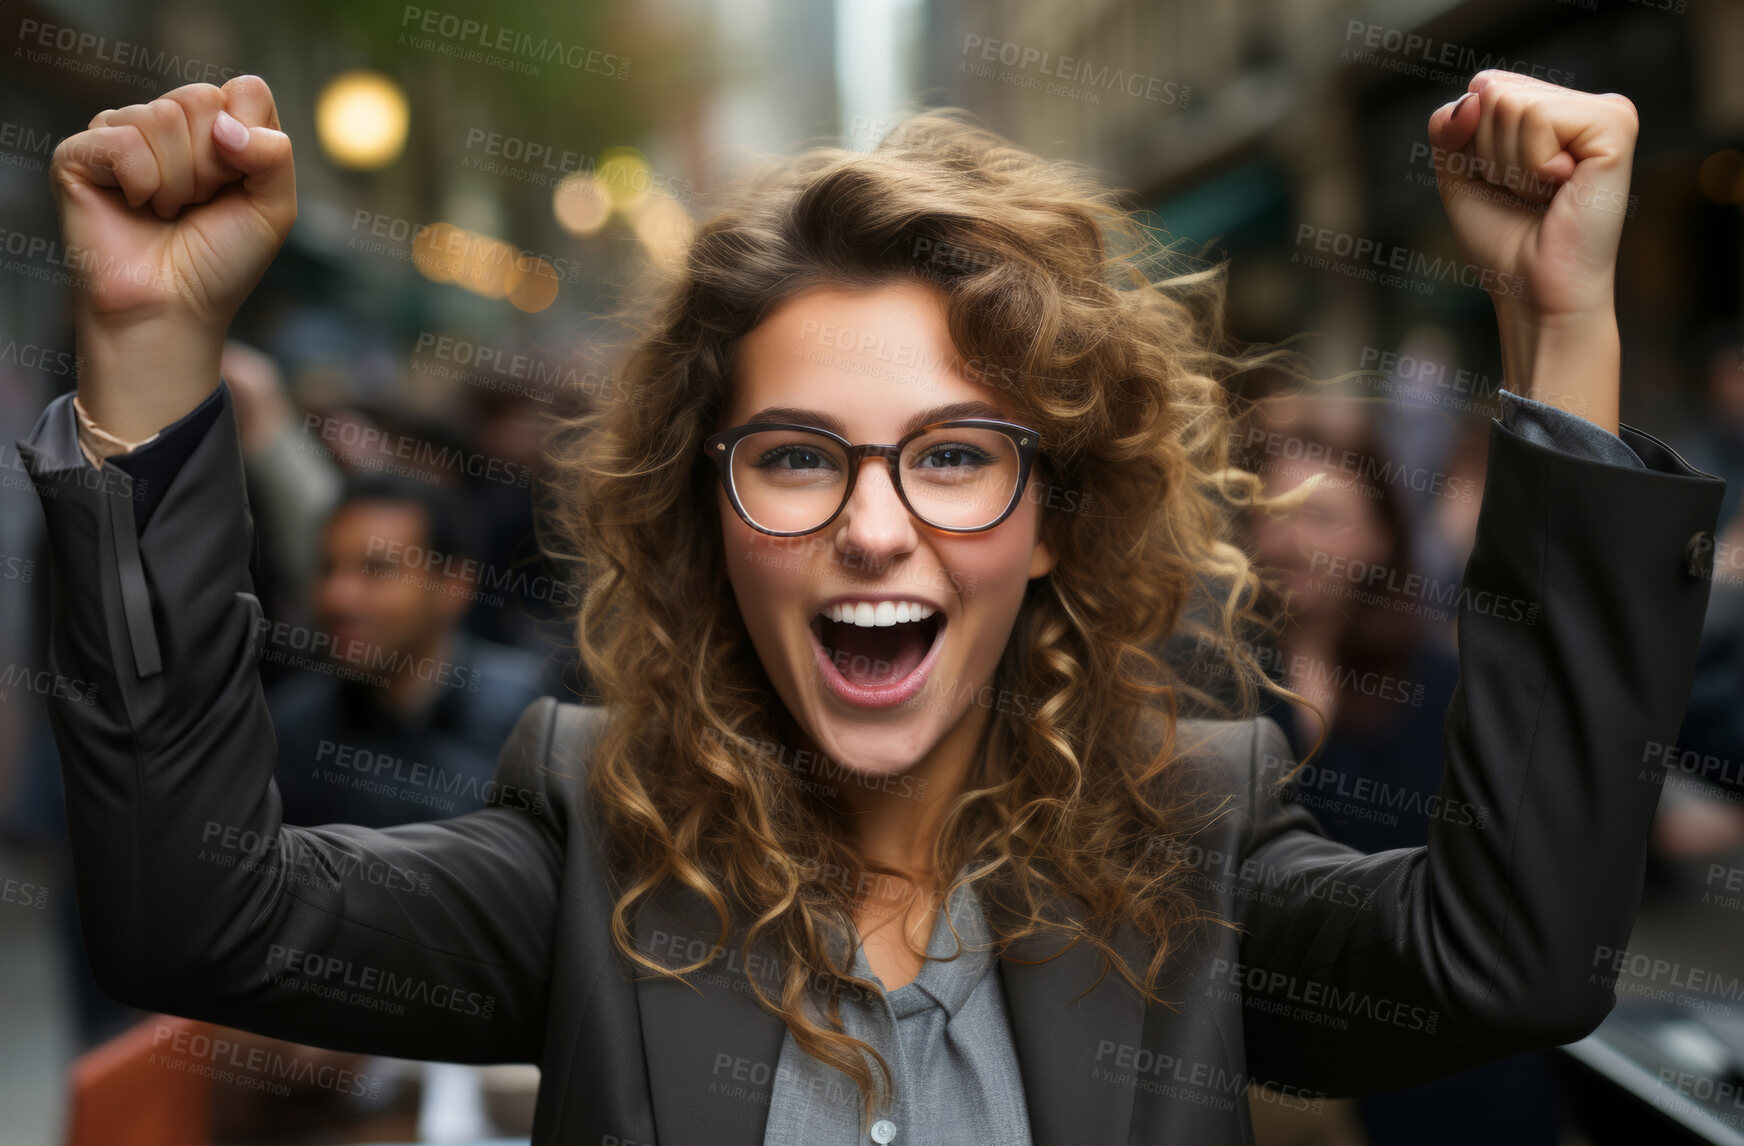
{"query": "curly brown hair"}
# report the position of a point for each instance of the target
(1052, 294)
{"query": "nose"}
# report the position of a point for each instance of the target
(875, 527)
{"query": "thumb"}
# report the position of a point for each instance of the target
(1452, 129)
(263, 155)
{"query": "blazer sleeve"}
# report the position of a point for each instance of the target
(427, 940)
(1578, 620)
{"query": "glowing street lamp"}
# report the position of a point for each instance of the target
(360, 118)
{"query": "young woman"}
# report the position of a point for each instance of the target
(890, 828)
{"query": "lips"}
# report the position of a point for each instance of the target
(882, 660)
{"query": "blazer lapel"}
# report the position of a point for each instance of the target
(1071, 1053)
(711, 1050)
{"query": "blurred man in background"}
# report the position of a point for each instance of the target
(402, 716)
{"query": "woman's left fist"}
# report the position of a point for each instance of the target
(1535, 179)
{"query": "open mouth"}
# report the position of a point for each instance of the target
(877, 653)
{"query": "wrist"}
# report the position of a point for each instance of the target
(1571, 362)
(136, 379)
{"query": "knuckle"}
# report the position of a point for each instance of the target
(164, 113)
(198, 90)
(64, 150)
(248, 84)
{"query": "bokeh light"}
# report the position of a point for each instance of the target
(582, 204)
(626, 176)
(361, 118)
(665, 229)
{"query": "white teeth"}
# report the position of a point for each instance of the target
(879, 614)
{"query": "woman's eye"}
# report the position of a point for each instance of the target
(953, 457)
(792, 458)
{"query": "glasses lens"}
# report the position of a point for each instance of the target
(960, 477)
(792, 481)
(789, 480)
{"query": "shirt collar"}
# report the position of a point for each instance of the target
(943, 980)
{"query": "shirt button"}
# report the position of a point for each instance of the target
(883, 1131)
(1698, 556)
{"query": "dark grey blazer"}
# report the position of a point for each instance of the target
(485, 938)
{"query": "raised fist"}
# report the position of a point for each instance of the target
(171, 210)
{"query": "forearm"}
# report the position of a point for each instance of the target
(1573, 364)
(135, 380)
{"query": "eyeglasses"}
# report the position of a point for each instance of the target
(961, 476)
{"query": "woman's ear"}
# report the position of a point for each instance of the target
(1041, 560)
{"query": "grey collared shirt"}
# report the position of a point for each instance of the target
(947, 1040)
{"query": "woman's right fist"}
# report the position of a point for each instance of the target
(171, 210)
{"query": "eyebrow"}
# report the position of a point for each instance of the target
(951, 413)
